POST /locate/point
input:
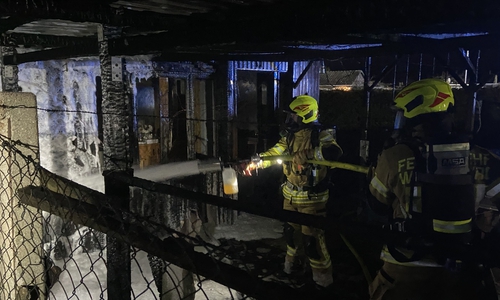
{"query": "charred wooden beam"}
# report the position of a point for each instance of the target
(44, 40)
(82, 50)
(227, 43)
(8, 73)
(325, 19)
(258, 53)
(10, 23)
(95, 11)
(186, 7)
(174, 250)
(69, 188)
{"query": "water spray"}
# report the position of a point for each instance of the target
(193, 167)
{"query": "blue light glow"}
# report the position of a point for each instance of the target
(443, 36)
(335, 47)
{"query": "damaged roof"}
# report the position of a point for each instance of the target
(248, 29)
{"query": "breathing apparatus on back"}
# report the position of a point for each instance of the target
(442, 191)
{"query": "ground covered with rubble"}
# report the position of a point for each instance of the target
(352, 258)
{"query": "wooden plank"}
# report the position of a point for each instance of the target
(149, 154)
(165, 123)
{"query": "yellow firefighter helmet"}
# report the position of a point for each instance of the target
(424, 97)
(305, 107)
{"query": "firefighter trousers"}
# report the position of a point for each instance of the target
(313, 239)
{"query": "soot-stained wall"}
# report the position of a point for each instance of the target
(67, 118)
(67, 112)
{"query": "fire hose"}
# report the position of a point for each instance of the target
(332, 164)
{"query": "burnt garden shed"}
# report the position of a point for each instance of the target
(122, 85)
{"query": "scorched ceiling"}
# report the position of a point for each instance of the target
(249, 29)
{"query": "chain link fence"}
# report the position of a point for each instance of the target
(55, 238)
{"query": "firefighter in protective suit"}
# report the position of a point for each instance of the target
(429, 204)
(306, 188)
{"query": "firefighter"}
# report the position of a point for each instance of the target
(305, 189)
(425, 183)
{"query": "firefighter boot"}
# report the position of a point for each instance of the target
(293, 269)
(287, 268)
(322, 277)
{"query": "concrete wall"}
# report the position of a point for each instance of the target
(21, 260)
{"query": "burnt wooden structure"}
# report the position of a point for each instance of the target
(393, 42)
(383, 39)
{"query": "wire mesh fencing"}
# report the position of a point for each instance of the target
(60, 240)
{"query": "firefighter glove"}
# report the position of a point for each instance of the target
(255, 162)
(250, 167)
(371, 172)
(255, 158)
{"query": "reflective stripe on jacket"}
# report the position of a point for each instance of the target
(304, 197)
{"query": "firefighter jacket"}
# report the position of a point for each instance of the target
(391, 185)
(301, 142)
(391, 181)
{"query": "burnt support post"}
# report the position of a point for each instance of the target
(471, 86)
(116, 110)
(224, 112)
(369, 85)
(190, 116)
(165, 122)
(8, 72)
(364, 143)
(474, 86)
(286, 89)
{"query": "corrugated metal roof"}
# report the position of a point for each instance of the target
(274, 66)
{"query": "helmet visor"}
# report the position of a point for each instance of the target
(292, 117)
(399, 120)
